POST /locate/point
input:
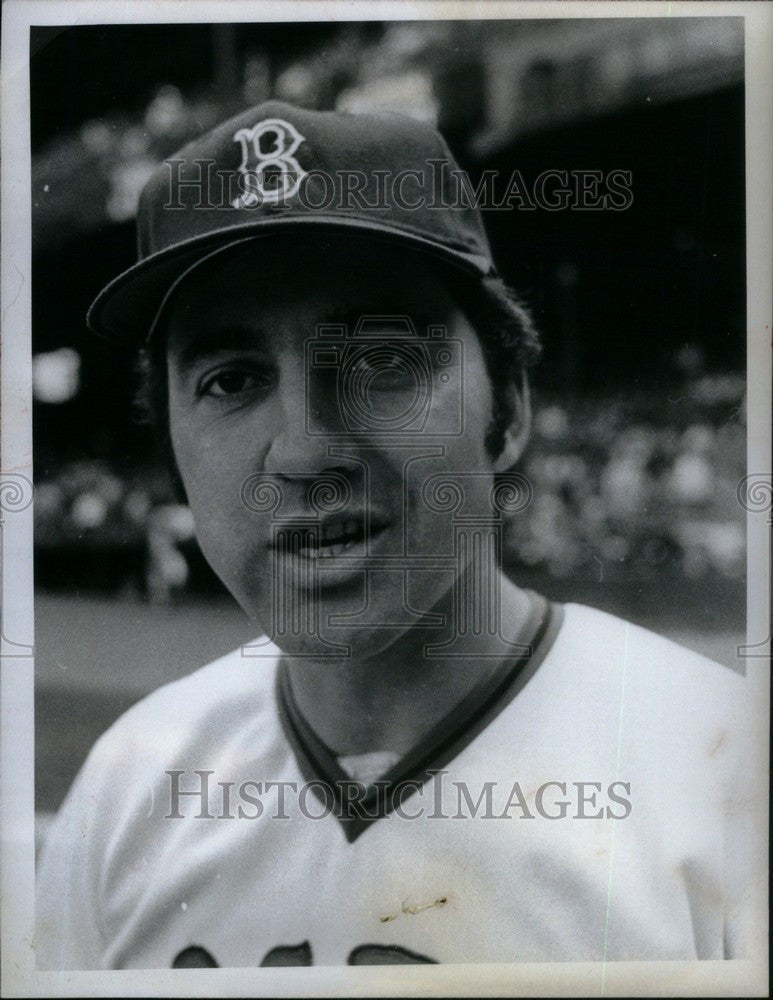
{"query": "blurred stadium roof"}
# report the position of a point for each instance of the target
(100, 124)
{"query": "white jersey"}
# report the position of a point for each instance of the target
(579, 809)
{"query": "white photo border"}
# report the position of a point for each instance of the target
(19, 975)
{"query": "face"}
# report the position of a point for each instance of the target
(313, 429)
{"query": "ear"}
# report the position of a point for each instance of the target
(518, 432)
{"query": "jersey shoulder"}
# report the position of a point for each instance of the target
(652, 679)
(598, 632)
(193, 713)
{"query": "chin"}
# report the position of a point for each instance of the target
(334, 644)
(341, 617)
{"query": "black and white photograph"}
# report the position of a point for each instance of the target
(385, 503)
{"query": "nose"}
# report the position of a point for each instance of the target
(306, 423)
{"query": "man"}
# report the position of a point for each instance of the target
(418, 760)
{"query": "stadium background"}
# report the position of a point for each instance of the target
(639, 438)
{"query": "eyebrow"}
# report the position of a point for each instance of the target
(215, 339)
(236, 337)
(350, 316)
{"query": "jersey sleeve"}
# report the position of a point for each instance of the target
(67, 904)
(108, 847)
(745, 842)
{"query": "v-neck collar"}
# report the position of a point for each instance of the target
(344, 797)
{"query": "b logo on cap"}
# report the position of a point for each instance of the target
(269, 170)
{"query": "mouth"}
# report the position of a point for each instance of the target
(328, 539)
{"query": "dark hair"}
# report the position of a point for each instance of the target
(511, 345)
(510, 342)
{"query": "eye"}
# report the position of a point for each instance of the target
(390, 362)
(383, 366)
(233, 382)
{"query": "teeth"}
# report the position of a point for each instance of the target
(331, 540)
(337, 530)
(326, 551)
(322, 551)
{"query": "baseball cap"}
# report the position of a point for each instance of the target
(280, 168)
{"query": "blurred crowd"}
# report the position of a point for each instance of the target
(625, 486)
(637, 485)
(98, 529)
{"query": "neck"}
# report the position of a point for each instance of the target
(389, 700)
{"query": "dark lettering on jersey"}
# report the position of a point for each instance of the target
(288, 954)
(195, 957)
(389, 954)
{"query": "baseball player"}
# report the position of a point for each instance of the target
(416, 760)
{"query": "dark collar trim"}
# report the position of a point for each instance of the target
(357, 806)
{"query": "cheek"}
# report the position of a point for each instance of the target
(214, 454)
(461, 410)
(478, 395)
(450, 488)
(228, 530)
(208, 472)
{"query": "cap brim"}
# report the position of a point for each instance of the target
(125, 310)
